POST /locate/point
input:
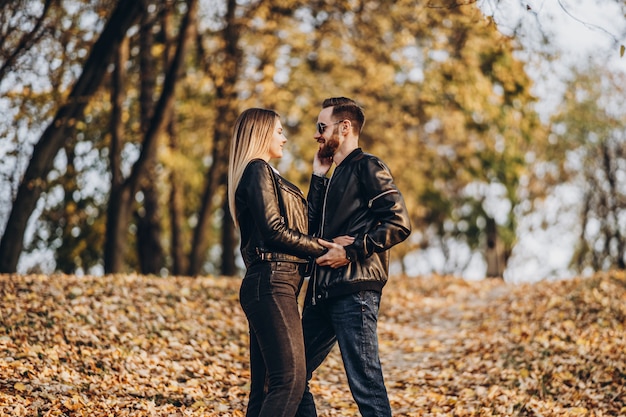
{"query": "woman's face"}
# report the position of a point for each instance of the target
(277, 141)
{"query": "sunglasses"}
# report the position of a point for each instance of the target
(321, 127)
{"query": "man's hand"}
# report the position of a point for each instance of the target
(336, 255)
(321, 165)
(344, 240)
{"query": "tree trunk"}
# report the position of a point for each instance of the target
(157, 124)
(494, 253)
(148, 217)
(610, 163)
(215, 180)
(59, 131)
(117, 212)
(149, 248)
(175, 201)
(179, 261)
(226, 99)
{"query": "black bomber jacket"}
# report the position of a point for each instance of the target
(360, 200)
(266, 232)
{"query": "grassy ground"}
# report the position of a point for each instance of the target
(129, 345)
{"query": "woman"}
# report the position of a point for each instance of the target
(271, 214)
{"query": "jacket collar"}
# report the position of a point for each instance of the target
(356, 152)
(270, 165)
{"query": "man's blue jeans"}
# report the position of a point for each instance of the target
(351, 321)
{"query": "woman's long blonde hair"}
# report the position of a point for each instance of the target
(251, 139)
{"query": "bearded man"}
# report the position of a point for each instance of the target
(359, 200)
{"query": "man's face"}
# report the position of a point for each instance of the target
(328, 146)
(327, 134)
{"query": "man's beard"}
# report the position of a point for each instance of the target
(330, 146)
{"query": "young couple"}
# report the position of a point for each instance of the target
(347, 224)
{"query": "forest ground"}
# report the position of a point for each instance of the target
(129, 345)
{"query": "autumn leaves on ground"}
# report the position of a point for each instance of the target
(146, 346)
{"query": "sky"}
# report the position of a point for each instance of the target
(581, 31)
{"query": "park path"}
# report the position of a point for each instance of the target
(414, 328)
(425, 334)
(435, 345)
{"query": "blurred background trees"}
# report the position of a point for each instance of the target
(590, 127)
(116, 118)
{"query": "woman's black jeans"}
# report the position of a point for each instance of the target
(268, 296)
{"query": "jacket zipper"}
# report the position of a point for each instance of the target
(371, 202)
(313, 275)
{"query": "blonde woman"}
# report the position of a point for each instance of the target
(271, 214)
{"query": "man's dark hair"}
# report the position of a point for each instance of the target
(337, 101)
(346, 109)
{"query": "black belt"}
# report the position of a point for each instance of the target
(283, 257)
(305, 266)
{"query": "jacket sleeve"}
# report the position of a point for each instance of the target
(391, 223)
(315, 200)
(257, 187)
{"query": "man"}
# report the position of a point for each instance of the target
(343, 296)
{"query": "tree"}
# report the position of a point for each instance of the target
(448, 108)
(51, 141)
(121, 204)
(14, 40)
(253, 51)
(148, 216)
(225, 73)
(480, 126)
(590, 135)
(446, 97)
(175, 196)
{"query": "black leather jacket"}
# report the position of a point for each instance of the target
(266, 234)
(359, 200)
